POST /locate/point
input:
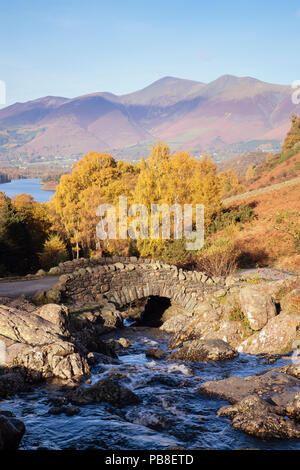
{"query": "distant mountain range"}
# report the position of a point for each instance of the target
(226, 117)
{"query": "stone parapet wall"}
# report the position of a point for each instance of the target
(124, 280)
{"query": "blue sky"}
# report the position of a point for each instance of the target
(70, 47)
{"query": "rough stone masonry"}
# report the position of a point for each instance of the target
(124, 280)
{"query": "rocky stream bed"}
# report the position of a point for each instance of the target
(153, 376)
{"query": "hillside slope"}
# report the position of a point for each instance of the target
(270, 239)
(279, 167)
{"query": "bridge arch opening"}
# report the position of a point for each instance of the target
(147, 311)
(153, 311)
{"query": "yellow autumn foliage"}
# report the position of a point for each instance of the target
(162, 178)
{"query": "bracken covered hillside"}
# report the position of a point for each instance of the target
(272, 237)
(280, 167)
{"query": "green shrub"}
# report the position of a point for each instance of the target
(236, 314)
(282, 157)
(289, 224)
(231, 217)
(297, 166)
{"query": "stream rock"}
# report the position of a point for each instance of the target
(232, 332)
(261, 403)
(107, 390)
(48, 342)
(155, 353)
(273, 384)
(175, 323)
(257, 305)
(67, 410)
(58, 359)
(277, 336)
(12, 382)
(256, 417)
(173, 311)
(112, 319)
(200, 350)
(11, 431)
(124, 343)
(152, 419)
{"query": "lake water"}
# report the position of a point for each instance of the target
(27, 186)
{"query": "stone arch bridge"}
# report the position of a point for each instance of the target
(126, 280)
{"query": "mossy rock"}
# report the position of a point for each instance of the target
(39, 298)
(55, 270)
(53, 296)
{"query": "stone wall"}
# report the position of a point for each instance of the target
(124, 280)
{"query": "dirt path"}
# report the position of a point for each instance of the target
(256, 192)
(269, 274)
(27, 287)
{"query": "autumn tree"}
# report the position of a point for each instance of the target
(95, 179)
(293, 136)
(176, 178)
(269, 157)
(37, 219)
(163, 178)
(250, 173)
(54, 252)
(230, 183)
(15, 243)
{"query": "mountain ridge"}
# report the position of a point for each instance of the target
(187, 114)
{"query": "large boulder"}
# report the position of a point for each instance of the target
(33, 343)
(232, 332)
(107, 390)
(11, 431)
(191, 328)
(257, 305)
(175, 324)
(173, 311)
(155, 353)
(206, 311)
(260, 403)
(200, 350)
(56, 314)
(58, 359)
(277, 337)
(26, 327)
